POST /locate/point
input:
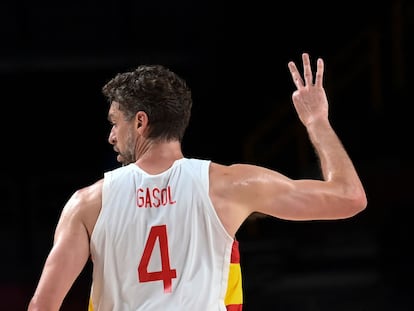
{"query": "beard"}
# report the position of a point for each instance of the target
(127, 156)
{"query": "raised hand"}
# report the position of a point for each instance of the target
(309, 98)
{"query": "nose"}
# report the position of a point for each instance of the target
(111, 138)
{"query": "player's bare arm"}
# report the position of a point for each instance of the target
(70, 250)
(248, 188)
(256, 189)
(312, 108)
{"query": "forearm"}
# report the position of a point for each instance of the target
(336, 165)
(61, 269)
(63, 265)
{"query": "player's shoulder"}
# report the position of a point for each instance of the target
(86, 202)
(89, 193)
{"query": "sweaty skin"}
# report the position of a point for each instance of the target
(236, 190)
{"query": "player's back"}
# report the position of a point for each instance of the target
(158, 243)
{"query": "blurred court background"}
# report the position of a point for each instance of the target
(56, 56)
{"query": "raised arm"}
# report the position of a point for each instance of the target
(312, 108)
(239, 190)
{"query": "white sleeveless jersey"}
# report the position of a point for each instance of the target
(158, 244)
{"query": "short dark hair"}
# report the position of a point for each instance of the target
(160, 93)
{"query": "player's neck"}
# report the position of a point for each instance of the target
(157, 157)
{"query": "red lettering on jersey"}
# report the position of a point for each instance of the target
(155, 197)
(148, 202)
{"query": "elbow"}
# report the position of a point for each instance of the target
(349, 200)
(356, 201)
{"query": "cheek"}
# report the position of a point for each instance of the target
(129, 136)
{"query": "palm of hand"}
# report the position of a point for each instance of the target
(309, 99)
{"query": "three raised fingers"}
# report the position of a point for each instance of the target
(307, 72)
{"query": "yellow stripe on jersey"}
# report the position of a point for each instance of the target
(234, 294)
(90, 306)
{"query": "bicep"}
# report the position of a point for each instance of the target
(257, 189)
(305, 199)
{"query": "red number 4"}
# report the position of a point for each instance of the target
(166, 274)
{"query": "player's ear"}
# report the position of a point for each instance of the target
(141, 120)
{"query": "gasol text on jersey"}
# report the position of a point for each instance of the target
(154, 197)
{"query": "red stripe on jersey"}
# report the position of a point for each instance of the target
(235, 254)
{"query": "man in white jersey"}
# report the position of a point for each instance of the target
(160, 230)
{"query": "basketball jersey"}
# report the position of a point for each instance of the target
(158, 244)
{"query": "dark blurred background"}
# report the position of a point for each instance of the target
(56, 56)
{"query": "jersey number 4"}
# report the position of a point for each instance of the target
(166, 274)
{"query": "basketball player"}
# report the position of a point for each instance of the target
(160, 230)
